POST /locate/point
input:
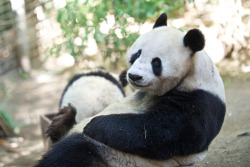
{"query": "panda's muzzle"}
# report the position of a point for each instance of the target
(134, 77)
(135, 80)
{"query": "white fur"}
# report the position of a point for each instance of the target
(164, 42)
(204, 75)
(90, 95)
(115, 158)
(167, 44)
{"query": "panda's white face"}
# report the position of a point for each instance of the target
(159, 60)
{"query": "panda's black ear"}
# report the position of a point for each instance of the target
(195, 40)
(161, 21)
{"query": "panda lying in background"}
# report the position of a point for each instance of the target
(96, 86)
(177, 111)
(85, 95)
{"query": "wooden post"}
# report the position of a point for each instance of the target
(22, 36)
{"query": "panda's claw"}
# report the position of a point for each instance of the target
(72, 108)
(70, 105)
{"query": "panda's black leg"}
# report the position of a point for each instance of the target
(62, 123)
(76, 150)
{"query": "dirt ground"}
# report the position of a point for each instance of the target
(27, 99)
(228, 150)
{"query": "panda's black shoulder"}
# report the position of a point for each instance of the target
(188, 101)
(199, 110)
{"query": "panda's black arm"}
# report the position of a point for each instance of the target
(178, 127)
(137, 134)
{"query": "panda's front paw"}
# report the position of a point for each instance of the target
(62, 122)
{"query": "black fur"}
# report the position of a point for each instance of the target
(123, 78)
(156, 66)
(195, 40)
(161, 21)
(76, 150)
(103, 74)
(179, 124)
(135, 56)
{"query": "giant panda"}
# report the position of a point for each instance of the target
(177, 110)
(86, 94)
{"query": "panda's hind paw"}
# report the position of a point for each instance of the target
(62, 122)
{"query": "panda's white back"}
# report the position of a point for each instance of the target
(204, 76)
(90, 95)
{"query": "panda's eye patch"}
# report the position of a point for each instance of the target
(135, 56)
(156, 66)
(156, 62)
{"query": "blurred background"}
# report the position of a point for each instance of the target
(44, 42)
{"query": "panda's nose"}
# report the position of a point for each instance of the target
(134, 77)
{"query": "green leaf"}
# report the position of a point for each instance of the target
(10, 122)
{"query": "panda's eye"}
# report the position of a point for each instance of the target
(135, 56)
(156, 66)
(156, 62)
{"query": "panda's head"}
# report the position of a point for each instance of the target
(160, 59)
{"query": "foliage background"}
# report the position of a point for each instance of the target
(82, 20)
